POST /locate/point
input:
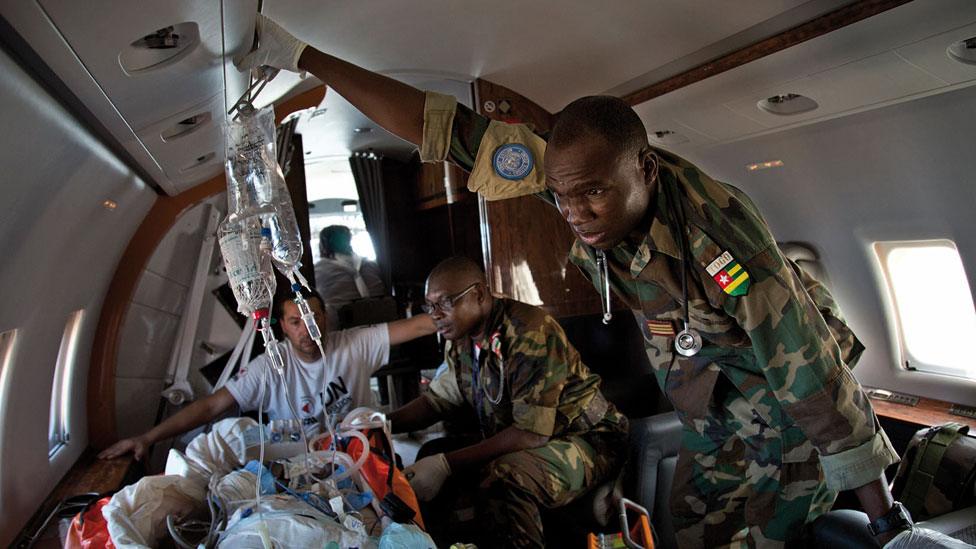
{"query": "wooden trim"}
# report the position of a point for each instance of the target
(824, 24)
(89, 474)
(158, 222)
(302, 101)
(926, 413)
(105, 348)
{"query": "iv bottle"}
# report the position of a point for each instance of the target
(249, 270)
(256, 187)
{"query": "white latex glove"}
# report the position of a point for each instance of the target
(923, 538)
(427, 476)
(276, 48)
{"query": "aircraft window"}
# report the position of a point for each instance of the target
(334, 200)
(61, 388)
(932, 303)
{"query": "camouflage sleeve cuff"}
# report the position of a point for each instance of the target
(439, 112)
(535, 419)
(440, 405)
(860, 465)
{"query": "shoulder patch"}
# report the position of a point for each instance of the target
(729, 274)
(512, 161)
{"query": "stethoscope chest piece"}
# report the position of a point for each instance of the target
(688, 342)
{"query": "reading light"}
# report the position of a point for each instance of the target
(764, 165)
(109, 204)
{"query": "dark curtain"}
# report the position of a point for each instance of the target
(285, 143)
(367, 169)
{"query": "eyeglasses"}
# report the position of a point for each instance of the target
(446, 304)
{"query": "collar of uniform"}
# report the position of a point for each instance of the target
(491, 326)
(661, 237)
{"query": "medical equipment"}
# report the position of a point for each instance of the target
(256, 186)
(256, 189)
(688, 341)
(638, 536)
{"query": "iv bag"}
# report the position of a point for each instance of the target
(256, 187)
(249, 270)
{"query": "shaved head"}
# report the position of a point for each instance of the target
(600, 116)
(458, 288)
(455, 273)
(601, 170)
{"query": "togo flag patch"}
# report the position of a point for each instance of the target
(730, 276)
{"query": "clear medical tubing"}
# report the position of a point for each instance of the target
(256, 186)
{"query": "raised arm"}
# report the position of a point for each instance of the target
(393, 105)
(196, 414)
(410, 328)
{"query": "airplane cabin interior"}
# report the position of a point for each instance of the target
(848, 123)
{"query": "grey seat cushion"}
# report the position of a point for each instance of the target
(654, 444)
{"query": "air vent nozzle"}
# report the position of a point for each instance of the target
(963, 51)
(667, 137)
(787, 104)
(160, 48)
(185, 127)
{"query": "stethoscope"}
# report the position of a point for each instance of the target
(494, 400)
(687, 342)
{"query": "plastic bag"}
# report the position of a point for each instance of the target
(136, 515)
(923, 538)
(289, 523)
(218, 452)
(89, 530)
(405, 536)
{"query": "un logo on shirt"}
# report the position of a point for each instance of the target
(512, 161)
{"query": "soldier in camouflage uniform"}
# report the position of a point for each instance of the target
(548, 434)
(774, 423)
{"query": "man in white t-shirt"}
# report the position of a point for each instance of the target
(338, 384)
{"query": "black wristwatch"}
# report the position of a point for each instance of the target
(895, 520)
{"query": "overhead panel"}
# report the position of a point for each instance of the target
(152, 64)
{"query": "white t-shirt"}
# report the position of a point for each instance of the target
(339, 384)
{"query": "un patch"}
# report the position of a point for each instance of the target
(512, 161)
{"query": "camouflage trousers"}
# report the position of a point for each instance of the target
(515, 486)
(742, 483)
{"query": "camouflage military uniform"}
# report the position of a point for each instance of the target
(774, 421)
(529, 376)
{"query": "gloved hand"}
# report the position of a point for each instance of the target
(923, 538)
(276, 48)
(427, 476)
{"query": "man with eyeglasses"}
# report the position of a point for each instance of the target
(547, 433)
(753, 352)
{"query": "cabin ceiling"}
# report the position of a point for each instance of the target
(550, 51)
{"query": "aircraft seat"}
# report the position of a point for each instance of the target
(848, 529)
(654, 443)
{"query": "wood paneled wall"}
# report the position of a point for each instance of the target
(441, 183)
(528, 242)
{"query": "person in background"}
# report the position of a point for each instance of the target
(341, 276)
(334, 384)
